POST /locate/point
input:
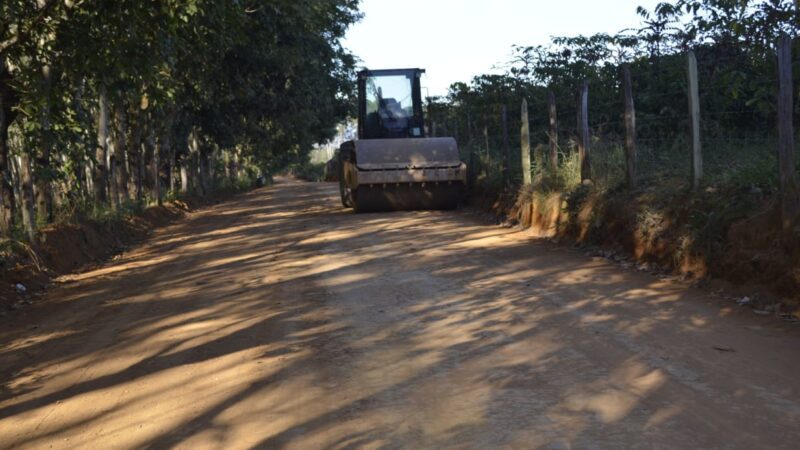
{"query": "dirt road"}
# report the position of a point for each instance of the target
(280, 320)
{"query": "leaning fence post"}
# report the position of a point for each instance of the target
(506, 148)
(583, 131)
(471, 162)
(630, 127)
(525, 138)
(789, 194)
(694, 118)
(553, 134)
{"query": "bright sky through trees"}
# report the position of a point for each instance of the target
(458, 39)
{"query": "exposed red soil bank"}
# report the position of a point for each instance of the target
(707, 234)
(69, 247)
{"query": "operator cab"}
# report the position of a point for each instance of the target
(390, 104)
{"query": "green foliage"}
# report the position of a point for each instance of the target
(308, 171)
(734, 45)
(263, 80)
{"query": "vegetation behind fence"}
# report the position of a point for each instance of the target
(702, 109)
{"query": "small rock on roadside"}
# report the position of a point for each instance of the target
(21, 289)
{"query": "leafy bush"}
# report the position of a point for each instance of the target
(308, 171)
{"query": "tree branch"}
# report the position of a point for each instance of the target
(44, 9)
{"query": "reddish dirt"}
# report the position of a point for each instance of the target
(654, 228)
(70, 247)
(281, 320)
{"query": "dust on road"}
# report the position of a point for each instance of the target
(280, 320)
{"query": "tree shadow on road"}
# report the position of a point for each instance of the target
(276, 321)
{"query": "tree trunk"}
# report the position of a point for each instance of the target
(195, 184)
(100, 172)
(79, 168)
(120, 172)
(165, 152)
(134, 155)
(194, 175)
(212, 162)
(205, 171)
(43, 178)
(141, 176)
(151, 157)
(113, 192)
(156, 163)
(169, 166)
(234, 165)
(26, 189)
(7, 101)
(226, 164)
(7, 208)
(184, 169)
(15, 177)
(88, 170)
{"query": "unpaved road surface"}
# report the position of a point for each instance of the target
(280, 320)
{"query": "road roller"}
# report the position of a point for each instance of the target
(393, 165)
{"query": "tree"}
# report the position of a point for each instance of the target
(115, 86)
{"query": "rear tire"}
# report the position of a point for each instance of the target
(344, 191)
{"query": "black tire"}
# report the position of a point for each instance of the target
(344, 191)
(357, 208)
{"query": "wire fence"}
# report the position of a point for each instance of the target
(738, 146)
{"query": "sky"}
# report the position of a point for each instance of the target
(454, 40)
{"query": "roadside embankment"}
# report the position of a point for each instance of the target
(732, 235)
(26, 270)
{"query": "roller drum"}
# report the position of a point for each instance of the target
(401, 174)
(406, 197)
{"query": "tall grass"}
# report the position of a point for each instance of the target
(728, 164)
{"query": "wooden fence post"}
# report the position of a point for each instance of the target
(525, 137)
(471, 162)
(789, 194)
(694, 119)
(583, 132)
(553, 134)
(630, 127)
(469, 128)
(506, 148)
(486, 136)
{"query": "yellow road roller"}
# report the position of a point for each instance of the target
(393, 165)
